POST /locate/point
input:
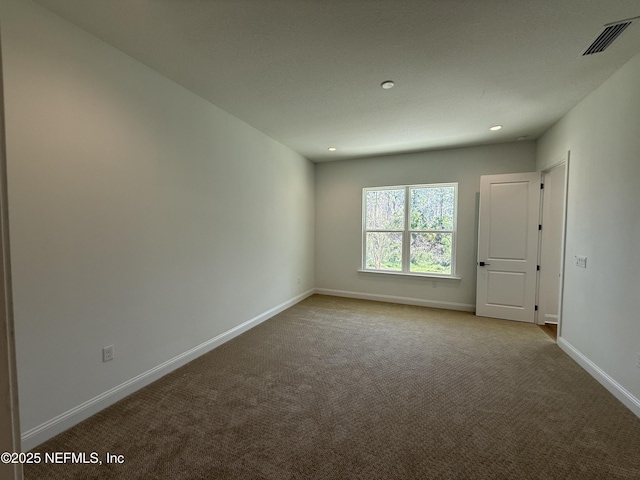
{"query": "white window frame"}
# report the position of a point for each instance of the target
(406, 232)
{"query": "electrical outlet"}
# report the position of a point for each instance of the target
(581, 261)
(107, 353)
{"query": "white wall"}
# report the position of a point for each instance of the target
(339, 221)
(141, 216)
(600, 322)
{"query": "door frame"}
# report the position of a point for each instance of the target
(564, 161)
(9, 414)
(563, 242)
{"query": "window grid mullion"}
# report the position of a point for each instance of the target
(406, 240)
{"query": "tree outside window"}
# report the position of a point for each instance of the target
(410, 229)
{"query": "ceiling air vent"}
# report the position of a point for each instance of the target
(608, 34)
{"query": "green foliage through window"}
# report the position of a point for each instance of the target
(419, 218)
(385, 209)
(384, 251)
(432, 208)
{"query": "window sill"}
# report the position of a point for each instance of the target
(430, 276)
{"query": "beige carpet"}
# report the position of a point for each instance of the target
(337, 388)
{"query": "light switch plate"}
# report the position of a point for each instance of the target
(107, 353)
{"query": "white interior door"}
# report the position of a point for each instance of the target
(508, 246)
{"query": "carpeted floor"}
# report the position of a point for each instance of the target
(338, 388)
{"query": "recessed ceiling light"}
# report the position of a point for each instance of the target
(387, 84)
(523, 137)
(495, 127)
(332, 149)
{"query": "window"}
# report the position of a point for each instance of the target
(410, 229)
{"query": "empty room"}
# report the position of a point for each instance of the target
(307, 239)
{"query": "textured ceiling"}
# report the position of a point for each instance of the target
(308, 72)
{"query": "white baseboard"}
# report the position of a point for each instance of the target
(394, 299)
(618, 391)
(43, 432)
